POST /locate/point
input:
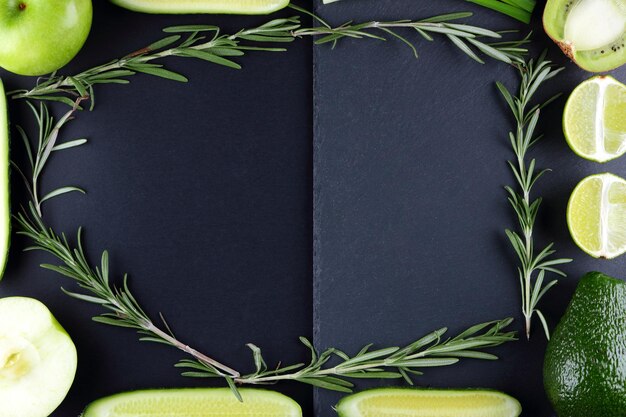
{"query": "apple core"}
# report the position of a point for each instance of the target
(17, 357)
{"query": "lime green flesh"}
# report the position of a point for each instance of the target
(203, 6)
(5, 212)
(591, 32)
(195, 402)
(596, 215)
(585, 362)
(401, 402)
(594, 120)
(37, 359)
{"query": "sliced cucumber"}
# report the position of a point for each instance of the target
(203, 6)
(5, 209)
(194, 402)
(409, 402)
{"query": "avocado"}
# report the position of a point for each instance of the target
(591, 32)
(585, 363)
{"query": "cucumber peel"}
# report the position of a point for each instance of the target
(410, 402)
(203, 6)
(5, 209)
(194, 402)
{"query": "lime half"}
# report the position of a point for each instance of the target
(596, 215)
(403, 402)
(594, 120)
(194, 402)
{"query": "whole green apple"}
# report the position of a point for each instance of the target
(40, 36)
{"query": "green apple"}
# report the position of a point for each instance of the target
(37, 359)
(40, 36)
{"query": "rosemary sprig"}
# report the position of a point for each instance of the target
(209, 44)
(199, 42)
(517, 9)
(331, 369)
(533, 264)
(463, 36)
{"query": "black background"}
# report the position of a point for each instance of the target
(204, 193)
(200, 191)
(410, 207)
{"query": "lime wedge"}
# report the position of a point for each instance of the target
(596, 215)
(594, 120)
(194, 402)
(401, 402)
(203, 6)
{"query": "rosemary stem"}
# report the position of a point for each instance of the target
(191, 351)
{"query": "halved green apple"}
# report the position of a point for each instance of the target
(591, 32)
(37, 359)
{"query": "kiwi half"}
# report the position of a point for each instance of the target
(591, 32)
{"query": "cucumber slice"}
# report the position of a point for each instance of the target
(203, 6)
(408, 402)
(194, 402)
(5, 210)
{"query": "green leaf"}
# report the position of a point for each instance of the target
(322, 383)
(447, 17)
(82, 90)
(163, 42)
(463, 47)
(162, 73)
(369, 356)
(208, 56)
(426, 362)
(61, 191)
(69, 144)
(191, 28)
(259, 363)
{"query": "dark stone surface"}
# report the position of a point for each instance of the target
(409, 205)
(201, 192)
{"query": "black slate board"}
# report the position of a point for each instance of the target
(201, 192)
(409, 202)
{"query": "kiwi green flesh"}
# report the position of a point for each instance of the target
(600, 59)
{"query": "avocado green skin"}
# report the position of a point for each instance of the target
(585, 363)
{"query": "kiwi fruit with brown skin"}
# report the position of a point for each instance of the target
(591, 32)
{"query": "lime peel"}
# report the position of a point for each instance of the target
(596, 215)
(594, 120)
